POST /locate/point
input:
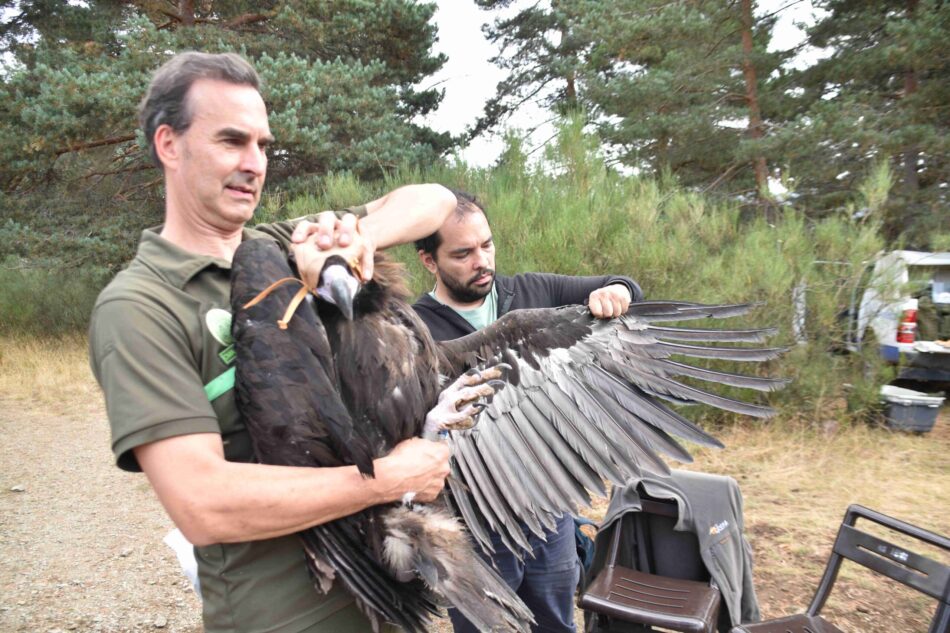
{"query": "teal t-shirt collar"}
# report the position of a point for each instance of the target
(482, 316)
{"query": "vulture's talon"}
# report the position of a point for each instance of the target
(462, 425)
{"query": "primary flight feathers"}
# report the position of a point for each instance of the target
(587, 407)
(587, 401)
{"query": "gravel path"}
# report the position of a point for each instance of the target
(73, 556)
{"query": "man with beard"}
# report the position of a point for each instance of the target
(469, 296)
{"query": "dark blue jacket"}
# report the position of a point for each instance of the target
(528, 290)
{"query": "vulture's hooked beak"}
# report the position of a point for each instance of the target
(339, 285)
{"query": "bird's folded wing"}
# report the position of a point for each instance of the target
(286, 382)
(587, 402)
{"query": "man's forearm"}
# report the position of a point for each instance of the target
(215, 501)
(406, 214)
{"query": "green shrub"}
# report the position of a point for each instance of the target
(573, 216)
(44, 302)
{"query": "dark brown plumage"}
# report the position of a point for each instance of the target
(328, 391)
(584, 405)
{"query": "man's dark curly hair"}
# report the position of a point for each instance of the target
(467, 203)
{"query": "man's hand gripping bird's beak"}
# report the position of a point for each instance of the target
(337, 282)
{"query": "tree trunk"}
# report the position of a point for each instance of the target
(662, 155)
(186, 9)
(570, 92)
(911, 183)
(752, 101)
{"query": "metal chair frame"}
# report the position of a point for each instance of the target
(924, 574)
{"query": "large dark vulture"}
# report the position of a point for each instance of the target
(586, 401)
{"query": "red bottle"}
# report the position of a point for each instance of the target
(907, 326)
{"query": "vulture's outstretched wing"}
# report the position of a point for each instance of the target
(586, 404)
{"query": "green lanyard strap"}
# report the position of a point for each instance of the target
(220, 385)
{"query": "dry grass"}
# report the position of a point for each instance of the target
(51, 372)
(797, 485)
(797, 479)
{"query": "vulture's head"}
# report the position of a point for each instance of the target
(339, 283)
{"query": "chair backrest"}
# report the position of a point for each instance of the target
(649, 505)
(926, 575)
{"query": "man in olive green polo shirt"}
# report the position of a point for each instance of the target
(160, 348)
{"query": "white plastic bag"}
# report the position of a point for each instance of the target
(185, 552)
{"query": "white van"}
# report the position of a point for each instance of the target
(888, 294)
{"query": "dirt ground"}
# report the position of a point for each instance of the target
(81, 542)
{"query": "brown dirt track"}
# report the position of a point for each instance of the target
(81, 542)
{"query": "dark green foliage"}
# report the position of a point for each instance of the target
(339, 79)
(47, 302)
(587, 219)
(541, 53)
(342, 95)
(881, 94)
(661, 80)
(664, 83)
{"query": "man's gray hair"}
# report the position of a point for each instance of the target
(165, 101)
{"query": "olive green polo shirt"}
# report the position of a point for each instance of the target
(160, 333)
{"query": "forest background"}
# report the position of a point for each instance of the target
(672, 118)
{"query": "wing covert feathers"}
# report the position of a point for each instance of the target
(589, 403)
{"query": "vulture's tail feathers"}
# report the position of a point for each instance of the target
(329, 547)
(432, 544)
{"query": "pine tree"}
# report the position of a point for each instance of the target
(339, 81)
(541, 53)
(883, 93)
(676, 87)
(75, 185)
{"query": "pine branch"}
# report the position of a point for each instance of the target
(78, 147)
(246, 19)
(122, 170)
(125, 193)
